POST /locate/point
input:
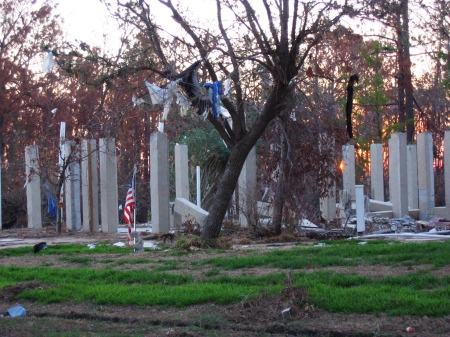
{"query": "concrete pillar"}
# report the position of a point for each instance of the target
(398, 181)
(33, 187)
(360, 212)
(413, 190)
(328, 204)
(425, 175)
(247, 189)
(109, 202)
(376, 172)
(348, 186)
(181, 171)
(447, 173)
(72, 192)
(89, 185)
(159, 182)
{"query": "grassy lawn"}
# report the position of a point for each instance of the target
(329, 275)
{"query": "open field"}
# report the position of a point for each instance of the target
(341, 289)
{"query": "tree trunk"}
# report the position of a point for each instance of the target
(275, 104)
(225, 190)
(404, 77)
(400, 74)
(409, 100)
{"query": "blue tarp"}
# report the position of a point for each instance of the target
(215, 91)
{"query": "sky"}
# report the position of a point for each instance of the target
(86, 20)
(89, 20)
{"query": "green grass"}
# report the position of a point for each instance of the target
(132, 261)
(413, 293)
(64, 249)
(89, 276)
(403, 295)
(144, 295)
(345, 254)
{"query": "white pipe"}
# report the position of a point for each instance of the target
(198, 187)
(360, 224)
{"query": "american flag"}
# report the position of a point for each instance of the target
(129, 208)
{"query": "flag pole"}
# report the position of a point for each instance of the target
(134, 208)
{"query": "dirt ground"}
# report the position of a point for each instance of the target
(261, 317)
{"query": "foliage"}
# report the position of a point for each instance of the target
(207, 150)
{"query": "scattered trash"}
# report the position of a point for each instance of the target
(17, 311)
(362, 243)
(320, 244)
(91, 245)
(286, 311)
(40, 246)
(409, 329)
(193, 248)
(151, 245)
(119, 244)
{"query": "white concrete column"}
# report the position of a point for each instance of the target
(247, 188)
(33, 187)
(360, 212)
(159, 182)
(72, 192)
(398, 182)
(348, 186)
(89, 185)
(376, 172)
(181, 171)
(425, 175)
(413, 190)
(109, 202)
(328, 203)
(447, 173)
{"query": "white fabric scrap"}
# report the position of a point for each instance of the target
(205, 114)
(156, 93)
(47, 65)
(227, 86)
(137, 101)
(183, 102)
(160, 95)
(166, 110)
(226, 114)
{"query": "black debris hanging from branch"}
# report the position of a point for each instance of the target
(349, 105)
(190, 84)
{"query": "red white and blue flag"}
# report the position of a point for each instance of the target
(128, 212)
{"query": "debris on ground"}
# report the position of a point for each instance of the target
(16, 311)
(39, 246)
